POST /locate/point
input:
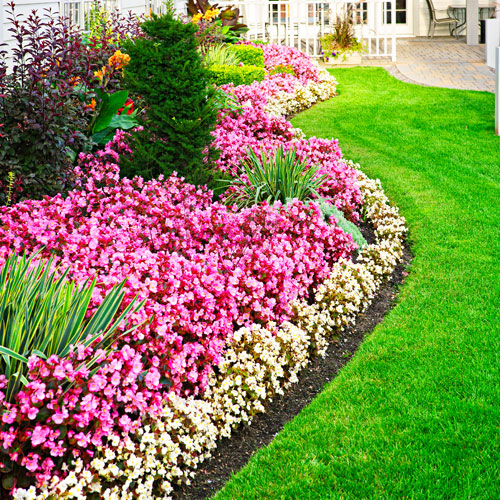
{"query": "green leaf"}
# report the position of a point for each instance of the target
(38, 353)
(123, 121)
(13, 354)
(104, 136)
(111, 103)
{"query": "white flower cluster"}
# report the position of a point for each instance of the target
(303, 97)
(350, 288)
(258, 364)
(164, 451)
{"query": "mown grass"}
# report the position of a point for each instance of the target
(416, 413)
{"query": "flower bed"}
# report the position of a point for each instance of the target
(256, 292)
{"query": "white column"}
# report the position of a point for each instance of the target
(393, 29)
(472, 17)
(497, 91)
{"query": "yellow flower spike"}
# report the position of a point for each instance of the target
(211, 14)
(197, 18)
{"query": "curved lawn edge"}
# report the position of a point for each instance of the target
(234, 453)
(238, 392)
(415, 414)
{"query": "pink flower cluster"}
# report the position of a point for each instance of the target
(202, 268)
(253, 128)
(278, 55)
(52, 422)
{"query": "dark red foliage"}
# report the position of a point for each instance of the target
(45, 92)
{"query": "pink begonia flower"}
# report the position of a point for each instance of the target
(59, 416)
(125, 423)
(202, 268)
(59, 373)
(116, 379)
(32, 412)
(30, 461)
(8, 438)
(39, 435)
(57, 450)
(9, 416)
(153, 378)
(82, 439)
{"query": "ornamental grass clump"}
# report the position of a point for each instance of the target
(220, 55)
(44, 314)
(277, 176)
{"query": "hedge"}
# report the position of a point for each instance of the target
(248, 55)
(239, 75)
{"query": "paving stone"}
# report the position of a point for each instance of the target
(443, 62)
(440, 62)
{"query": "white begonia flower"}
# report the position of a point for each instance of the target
(268, 359)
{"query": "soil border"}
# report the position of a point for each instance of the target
(233, 453)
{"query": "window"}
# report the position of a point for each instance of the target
(318, 13)
(279, 13)
(401, 11)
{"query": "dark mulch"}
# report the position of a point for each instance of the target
(234, 453)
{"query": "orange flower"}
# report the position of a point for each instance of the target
(100, 74)
(118, 60)
(91, 105)
(74, 81)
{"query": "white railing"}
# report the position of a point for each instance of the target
(302, 23)
(160, 7)
(79, 11)
(297, 23)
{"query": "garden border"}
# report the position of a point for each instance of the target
(259, 364)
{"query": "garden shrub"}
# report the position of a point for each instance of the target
(248, 55)
(43, 116)
(45, 101)
(238, 75)
(165, 69)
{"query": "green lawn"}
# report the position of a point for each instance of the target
(416, 413)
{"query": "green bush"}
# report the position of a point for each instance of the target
(43, 314)
(166, 71)
(260, 42)
(248, 54)
(239, 75)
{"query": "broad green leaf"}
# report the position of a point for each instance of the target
(110, 107)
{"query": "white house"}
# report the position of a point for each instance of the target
(293, 22)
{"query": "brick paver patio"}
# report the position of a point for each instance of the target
(443, 62)
(440, 62)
